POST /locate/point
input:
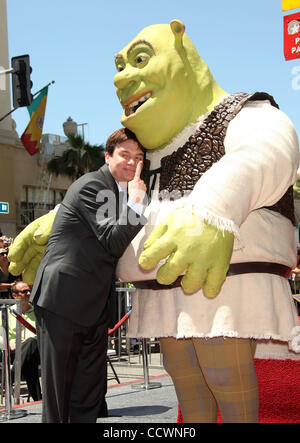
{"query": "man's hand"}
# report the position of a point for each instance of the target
(136, 187)
(7, 285)
(194, 248)
(29, 246)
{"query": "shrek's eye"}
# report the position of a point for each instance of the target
(120, 68)
(141, 59)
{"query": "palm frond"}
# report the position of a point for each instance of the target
(80, 158)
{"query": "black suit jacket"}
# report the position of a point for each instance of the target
(89, 234)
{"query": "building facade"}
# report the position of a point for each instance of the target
(24, 181)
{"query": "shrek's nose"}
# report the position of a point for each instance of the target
(124, 80)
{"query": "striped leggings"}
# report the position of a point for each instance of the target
(213, 373)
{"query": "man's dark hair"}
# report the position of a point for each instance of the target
(119, 136)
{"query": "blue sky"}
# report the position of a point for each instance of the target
(74, 42)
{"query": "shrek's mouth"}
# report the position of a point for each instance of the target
(132, 105)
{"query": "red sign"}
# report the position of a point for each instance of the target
(291, 34)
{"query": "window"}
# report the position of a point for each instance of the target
(36, 202)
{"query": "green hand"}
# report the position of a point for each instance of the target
(29, 246)
(193, 247)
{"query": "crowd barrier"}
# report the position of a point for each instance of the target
(124, 294)
(6, 382)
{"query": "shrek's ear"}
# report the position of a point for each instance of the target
(178, 29)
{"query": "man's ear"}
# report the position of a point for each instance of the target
(106, 156)
(178, 29)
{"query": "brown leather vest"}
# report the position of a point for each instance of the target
(181, 170)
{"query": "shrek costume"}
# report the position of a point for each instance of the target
(211, 264)
(221, 215)
(227, 314)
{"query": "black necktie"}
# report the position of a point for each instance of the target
(149, 174)
(146, 176)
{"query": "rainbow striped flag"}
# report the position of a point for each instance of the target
(31, 137)
(290, 4)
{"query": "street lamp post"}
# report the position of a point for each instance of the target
(70, 128)
(83, 125)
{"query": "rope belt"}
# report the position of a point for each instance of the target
(254, 267)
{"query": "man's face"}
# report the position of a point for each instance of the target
(123, 162)
(23, 291)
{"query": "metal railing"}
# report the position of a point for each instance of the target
(10, 392)
(125, 294)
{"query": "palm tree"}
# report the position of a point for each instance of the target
(80, 158)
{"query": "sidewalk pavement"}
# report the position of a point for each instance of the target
(134, 400)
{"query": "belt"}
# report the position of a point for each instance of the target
(254, 267)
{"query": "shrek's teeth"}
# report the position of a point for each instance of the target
(137, 103)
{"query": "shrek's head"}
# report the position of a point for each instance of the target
(163, 84)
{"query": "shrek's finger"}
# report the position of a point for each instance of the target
(32, 251)
(214, 281)
(16, 268)
(156, 234)
(31, 269)
(172, 269)
(41, 235)
(159, 250)
(194, 278)
(25, 239)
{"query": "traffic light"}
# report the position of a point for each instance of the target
(21, 82)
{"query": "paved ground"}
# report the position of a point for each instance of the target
(139, 398)
(127, 403)
(131, 367)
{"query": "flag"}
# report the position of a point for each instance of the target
(291, 35)
(290, 4)
(31, 137)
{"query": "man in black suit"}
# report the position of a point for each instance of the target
(91, 230)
